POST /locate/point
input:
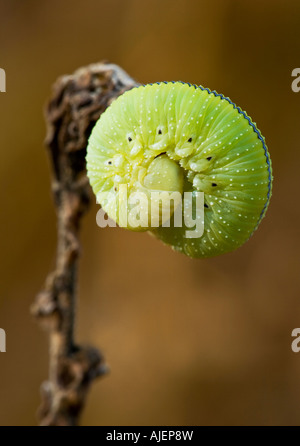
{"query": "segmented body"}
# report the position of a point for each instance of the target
(215, 143)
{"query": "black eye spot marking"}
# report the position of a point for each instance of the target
(209, 158)
(109, 162)
(190, 140)
(159, 132)
(129, 139)
(115, 189)
(214, 184)
(205, 205)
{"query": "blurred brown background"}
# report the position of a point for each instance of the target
(188, 341)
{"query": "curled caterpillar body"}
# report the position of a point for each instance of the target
(181, 138)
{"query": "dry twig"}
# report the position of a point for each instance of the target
(77, 102)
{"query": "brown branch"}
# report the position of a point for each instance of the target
(77, 102)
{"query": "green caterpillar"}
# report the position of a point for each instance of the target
(178, 137)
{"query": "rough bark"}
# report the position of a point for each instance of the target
(76, 104)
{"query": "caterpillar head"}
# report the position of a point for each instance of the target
(179, 139)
